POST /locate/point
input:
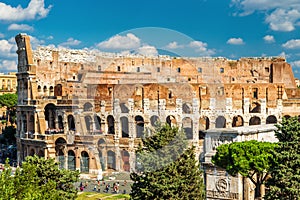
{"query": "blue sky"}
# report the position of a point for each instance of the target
(226, 28)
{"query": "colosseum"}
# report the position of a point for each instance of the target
(89, 110)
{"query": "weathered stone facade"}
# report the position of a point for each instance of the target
(89, 109)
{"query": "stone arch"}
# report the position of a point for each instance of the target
(97, 121)
(111, 160)
(41, 154)
(220, 122)
(154, 120)
(256, 108)
(254, 121)
(203, 125)
(237, 121)
(186, 108)
(111, 124)
(39, 88)
(50, 115)
(171, 120)
(31, 152)
(124, 127)
(287, 116)
(88, 123)
(71, 160)
(71, 123)
(124, 108)
(58, 90)
(271, 119)
(139, 121)
(51, 91)
(84, 162)
(60, 122)
(60, 145)
(125, 158)
(45, 90)
(87, 107)
(187, 125)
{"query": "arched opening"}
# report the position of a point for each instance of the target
(237, 121)
(111, 124)
(84, 162)
(97, 120)
(31, 152)
(287, 116)
(124, 126)
(271, 120)
(154, 120)
(45, 90)
(124, 108)
(58, 90)
(111, 160)
(51, 91)
(71, 160)
(87, 107)
(139, 121)
(50, 115)
(203, 125)
(125, 159)
(186, 108)
(39, 88)
(71, 123)
(254, 121)
(60, 122)
(101, 147)
(41, 154)
(60, 145)
(220, 122)
(255, 108)
(171, 120)
(187, 125)
(88, 123)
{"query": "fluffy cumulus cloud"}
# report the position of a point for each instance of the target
(119, 42)
(20, 27)
(292, 44)
(147, 50)
(8, 48)
(35, 10)
(174, 45)
(235, 41)
(70, 42)
(201, 48)
(269, 39)
(8, 65)
(280, 15)
(296, 63)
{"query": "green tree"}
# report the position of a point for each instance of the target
(38, 179)
(167, 167)
(9, 101)
(252, 159)
(285, 175)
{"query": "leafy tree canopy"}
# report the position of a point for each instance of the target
(285, 174)
(38, 179)
(9, 100)
(167, 167)
(248, 158)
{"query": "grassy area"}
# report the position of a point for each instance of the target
(97, 196)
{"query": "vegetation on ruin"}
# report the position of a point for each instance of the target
(38, 179)
(167, 167)
(9, 101)
(252, 159)
(285, 174)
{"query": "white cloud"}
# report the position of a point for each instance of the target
(35, 10)
(8, 65)
(280, 15)
(284, 55)
(296, 63)
(20, 27)
(174, 45)
(147, 50)
(292, 44)
(283, 20)
(201, 48)
(128, 41)
(235, 41)
(8, 48)
(50, 37)
(70, 42)
(269, 39)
